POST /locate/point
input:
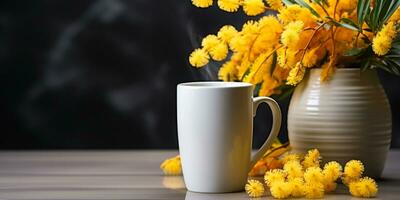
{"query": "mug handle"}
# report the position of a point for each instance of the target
(276, 125)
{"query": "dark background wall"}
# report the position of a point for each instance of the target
(102, 74)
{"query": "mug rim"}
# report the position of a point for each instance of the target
(214, 84)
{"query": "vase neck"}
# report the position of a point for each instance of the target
(347, 76)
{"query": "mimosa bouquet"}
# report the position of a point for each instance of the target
(292, 36)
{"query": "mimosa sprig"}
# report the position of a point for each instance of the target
(293, 36)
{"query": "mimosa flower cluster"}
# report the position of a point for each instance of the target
(303, 177)
(292, 36)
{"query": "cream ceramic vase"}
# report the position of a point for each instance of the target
(346, 118)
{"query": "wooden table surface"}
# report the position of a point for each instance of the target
(122, 175)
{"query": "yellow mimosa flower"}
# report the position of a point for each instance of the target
(290, 38)
(243, 67)
(274, 176)
(368, 187)
(314, 190)
(353, 169)
(227, 72)
(296, 13)
(271, 24)
(295, 26)
(293, 169)
(254, 188)
(202, 3)
(275, 4)
(229, 5)
(267, 35)
(226, 33)
(172, 166)
(238, 44)
(353, 188)
(295, 76)
(311, 57)
(365, 187)
(297, 186)
(281, 189)
(219, 52)
(289, 13)
(243, 41)
(291, 157)
(253, 7)
(332, 171)
(313, 174)
(260, 67)
(287, 58)
(250, 27)
(291, 35)
(209, 42)
(199, 58)
(312, 158)
(382, 42)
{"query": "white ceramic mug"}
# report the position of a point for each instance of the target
(215, 132)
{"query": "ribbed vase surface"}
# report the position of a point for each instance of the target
(346, 118)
